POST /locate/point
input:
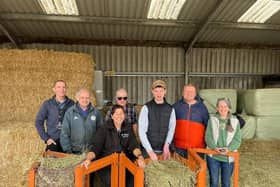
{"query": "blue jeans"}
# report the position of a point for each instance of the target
(214, 166)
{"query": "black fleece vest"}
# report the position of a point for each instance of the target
(159, 116)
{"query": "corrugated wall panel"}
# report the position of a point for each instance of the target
(231, 68)
(134, 68)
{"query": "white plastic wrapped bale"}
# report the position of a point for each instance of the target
(262, 102)
(210, 97)
(249, 130)
(268, 127)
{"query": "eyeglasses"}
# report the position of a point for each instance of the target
(120, 98)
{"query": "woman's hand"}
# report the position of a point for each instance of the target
(86, 163)
(141, 162)
(222, 150)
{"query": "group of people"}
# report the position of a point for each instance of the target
(162, 128)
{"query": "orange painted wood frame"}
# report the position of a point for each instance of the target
(137, 172)
(112, 160)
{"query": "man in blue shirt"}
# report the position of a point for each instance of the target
(52, 112)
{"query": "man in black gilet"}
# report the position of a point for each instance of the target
(157, 124)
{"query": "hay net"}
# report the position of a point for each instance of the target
(169, 173)
(57, 172)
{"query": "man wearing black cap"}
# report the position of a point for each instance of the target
(157, 124)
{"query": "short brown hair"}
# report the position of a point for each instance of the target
(60, 80)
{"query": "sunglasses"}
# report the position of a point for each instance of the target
(120, 98)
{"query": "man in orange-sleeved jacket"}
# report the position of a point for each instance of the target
(191, 121)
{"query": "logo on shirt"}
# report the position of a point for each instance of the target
(75, 117)
(124, 135)
(93, 118)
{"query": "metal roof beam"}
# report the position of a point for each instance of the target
(133, 21)
(11, 38)
(93, 19)
(203, 26)
(253, 26)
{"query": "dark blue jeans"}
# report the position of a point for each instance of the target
(184, 153)
(214, 166)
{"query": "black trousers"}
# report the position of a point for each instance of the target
(54, 147)
(105, 175)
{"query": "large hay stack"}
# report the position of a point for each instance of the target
(26, 79)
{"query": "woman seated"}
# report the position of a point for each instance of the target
(222, 135)
(115, 137)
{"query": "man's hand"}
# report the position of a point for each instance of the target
(51, 141)
(152, 155)
(166, 152)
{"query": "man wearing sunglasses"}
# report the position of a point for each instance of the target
(130, 112)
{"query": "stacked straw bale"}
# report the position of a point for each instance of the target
(262, 102)
(27, 76)
(20, 147)
(26, 80)
(264, 105)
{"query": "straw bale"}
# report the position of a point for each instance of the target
(27, 76)
(259, 163)
(20, 147)
(57, 171)
(210, 97)
(249, 130)
(262, 102)
(44, 59)
(268, 127)
(166, 173)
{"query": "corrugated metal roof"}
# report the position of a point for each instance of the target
(126, 20)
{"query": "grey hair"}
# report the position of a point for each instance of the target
(226, 100)
(82, 89)
(121, 89)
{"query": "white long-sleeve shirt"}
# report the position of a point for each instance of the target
(143, 124)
